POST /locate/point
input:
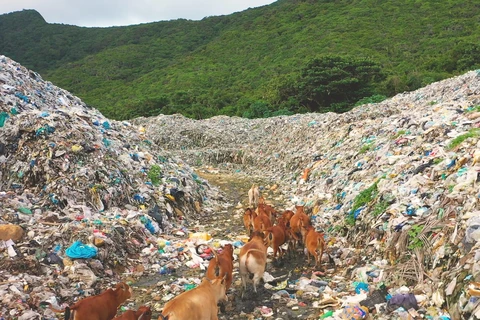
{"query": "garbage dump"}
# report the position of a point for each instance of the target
(396, 183)
(83, 198)
(87, 202)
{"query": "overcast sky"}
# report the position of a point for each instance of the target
(105, 13)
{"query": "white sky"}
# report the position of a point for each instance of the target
(106, 13)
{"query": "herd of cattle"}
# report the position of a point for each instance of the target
(266, 227)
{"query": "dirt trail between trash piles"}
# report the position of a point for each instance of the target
(227, 225)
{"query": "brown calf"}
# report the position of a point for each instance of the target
(314, 241)
(276, 236)
(268, 210)
(253, 259)
(199, 303)
(100, 307)
(287, 215)
(248, 218)
(261, 222)
(221, 265)
(296, 222)
(143, 313)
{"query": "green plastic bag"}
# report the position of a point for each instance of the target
(3, 118)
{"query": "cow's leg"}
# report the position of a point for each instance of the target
(256, 280)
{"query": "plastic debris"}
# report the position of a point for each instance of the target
(80, 250)
(392, 185)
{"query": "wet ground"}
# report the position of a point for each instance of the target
(227, 224)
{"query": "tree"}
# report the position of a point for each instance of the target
(258, 109)
(146, 107)
(333, 83)
(466, 56)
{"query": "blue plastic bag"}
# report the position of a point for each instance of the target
(80, 250)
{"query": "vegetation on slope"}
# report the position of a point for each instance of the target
(278, 59)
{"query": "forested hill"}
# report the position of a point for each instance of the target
(289, 56)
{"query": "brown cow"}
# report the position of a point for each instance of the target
(221, 265)
(314, 241)
(100, 307)
(199, 303)
(276, 236)
(296, 222)
(268, 210)
(253, 259)
(287, 215)
(261, 222)
(289, 236)
(143, 313)
(248, 218)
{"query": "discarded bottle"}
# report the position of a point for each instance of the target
(327, 314)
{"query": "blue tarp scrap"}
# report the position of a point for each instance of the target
(357, 212)
(80, 250)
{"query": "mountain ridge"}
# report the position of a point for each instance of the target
(228, 64)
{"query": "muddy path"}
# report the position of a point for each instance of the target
(227, 224)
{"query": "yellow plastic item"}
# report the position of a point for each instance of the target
(280, 286)
(169, 196)
(76, 148)
(161, 243)
(200, 236)
(244, 239)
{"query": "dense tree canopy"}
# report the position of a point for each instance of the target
(335, 83)
(259, 62)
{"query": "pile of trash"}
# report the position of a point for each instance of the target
(83, 199)
(86, 201)
(397, 182)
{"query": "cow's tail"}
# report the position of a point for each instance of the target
(67, 311)
(324, 247)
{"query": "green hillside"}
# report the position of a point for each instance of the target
(289, 56)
